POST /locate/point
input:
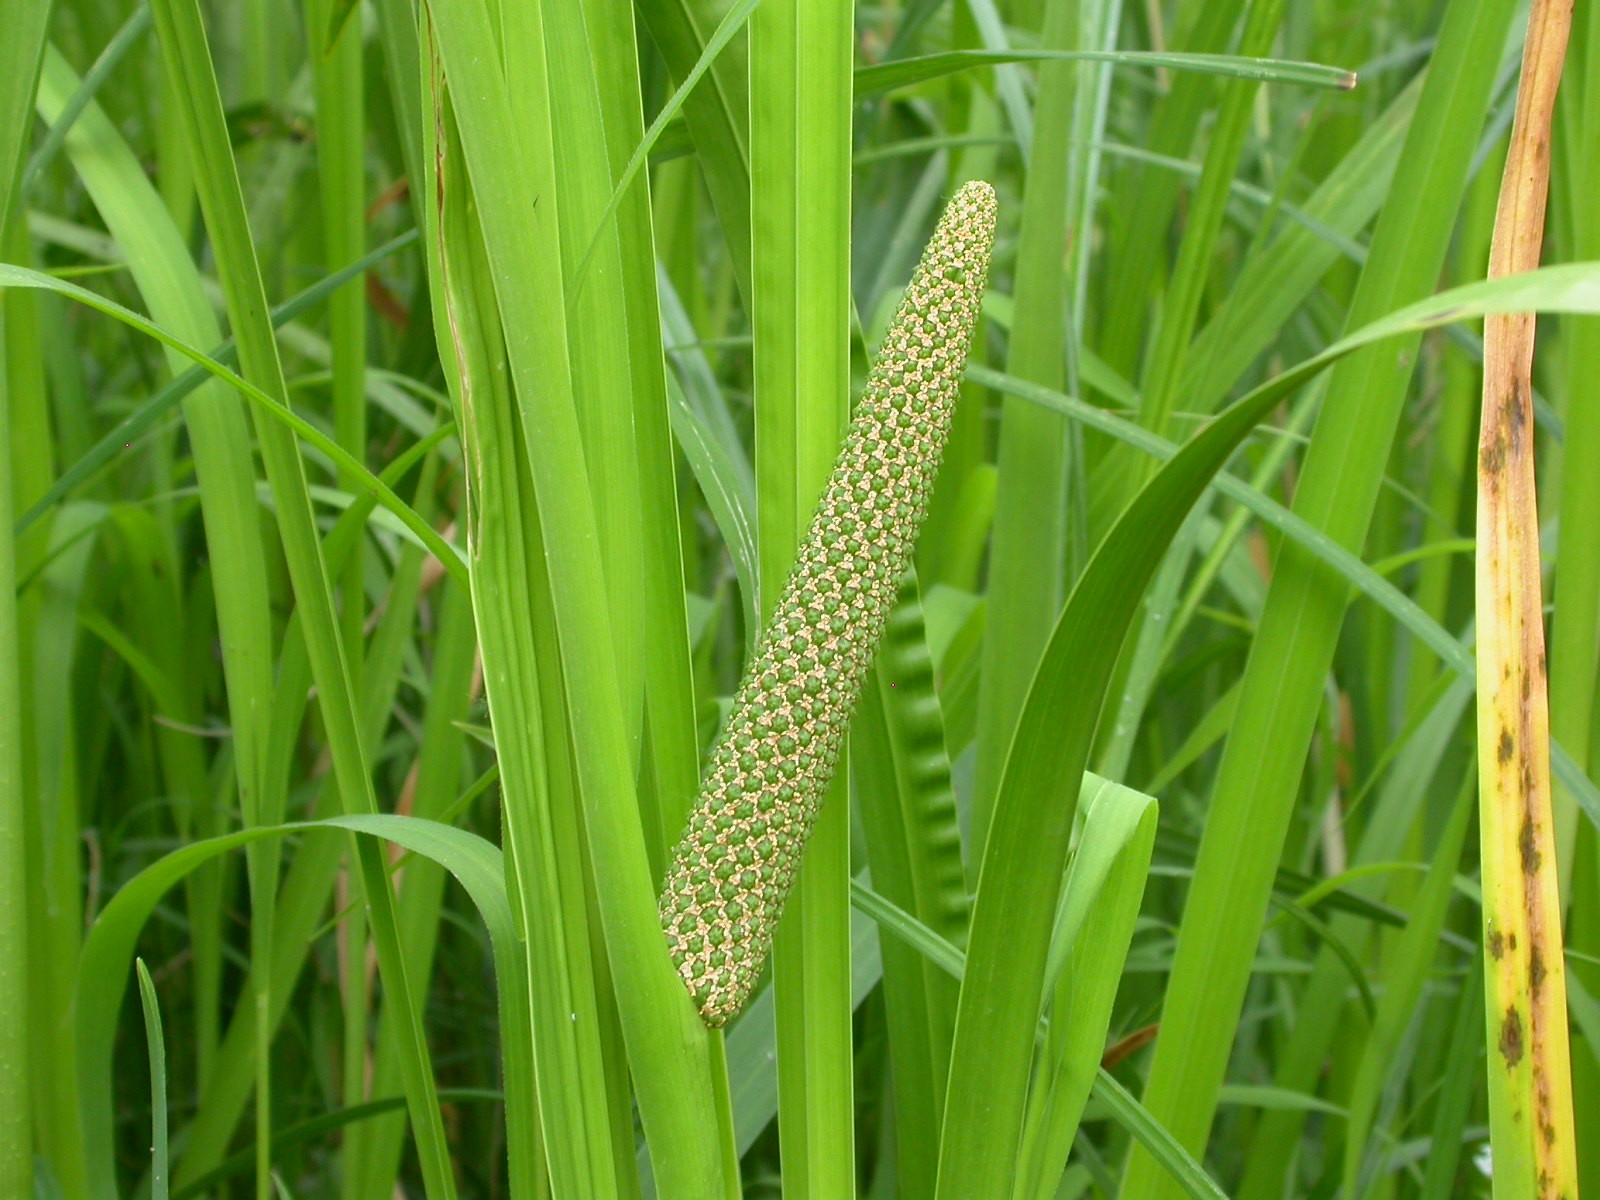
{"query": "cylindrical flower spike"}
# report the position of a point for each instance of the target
(733, 867)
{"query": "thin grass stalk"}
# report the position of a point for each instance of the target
(429, 788)
(670, 752)
(1385, 1050)
(667, 674)
(338, 79)
(402, 79)
(1146, 197)
(962, 507)
(1530, 1080)
(593, 1004)
(336, 73)
(1027, 556)
(1454, 438)
(157, 612)
(40, 908)
(716, 115)
(600, 344)
(19, 66)
(16, 1100)
(1458, 1092)
(1298, 257)
(53, 733)
(1167, 370)
(1100, 25)
(800, 141)
(1166, 367)
(157, 1047)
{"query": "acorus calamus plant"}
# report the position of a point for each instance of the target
(735, 863)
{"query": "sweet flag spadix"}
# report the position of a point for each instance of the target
(735, 863)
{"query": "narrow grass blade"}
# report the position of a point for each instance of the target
(18, 66)
(1147, 197)
(22, 984)
(908, 72)
(1530, 1072)
(1413, 959)
(289, 1137)
(1027, 574)
(135, 27)
(309, 881)
(157, 1046)
(132, 427)
(913, 842)
(1456, 654)
(716, 114)
(1100, 902)
(1458, 1091)
(730, 25)
(668, 675)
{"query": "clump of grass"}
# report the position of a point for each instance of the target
(733, 867)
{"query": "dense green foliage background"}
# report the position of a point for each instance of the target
(546, 320)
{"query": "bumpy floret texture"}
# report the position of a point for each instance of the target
(735, 863)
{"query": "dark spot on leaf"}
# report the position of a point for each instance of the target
(1527, 847)
(1518, 414)
(1496, 943)
(1511, 1036)
(1493, 456)
(1508, 746)
(1536, 971)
